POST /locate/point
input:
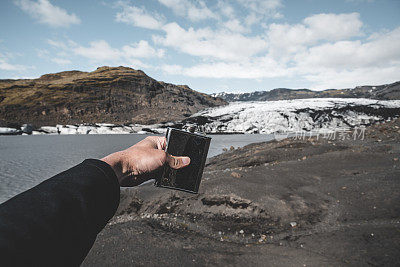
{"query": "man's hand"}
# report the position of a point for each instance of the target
(142, 161)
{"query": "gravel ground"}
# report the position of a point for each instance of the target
(312, 202)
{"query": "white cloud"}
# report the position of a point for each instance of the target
(172, 69)
(333, 26)
(261, 6)
(260, 67)
(142, 49)
(342, 58)
(5, 65)
(61, 58)
(348, 63)
(234, 25)
(101, 52)
(61, 45)
(193, 10)
(212, 44)
(261, 10)
(61, 61)
(336, 78)
(381, 51)
(46, 13)
(286, 39)
(263, 67)
(97, 51)
(139, 17)
(226, 9)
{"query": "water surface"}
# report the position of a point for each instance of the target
(26, 161)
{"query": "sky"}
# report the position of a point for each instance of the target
(211, 46)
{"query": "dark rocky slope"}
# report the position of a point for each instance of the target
(108, 94)
(381, 92)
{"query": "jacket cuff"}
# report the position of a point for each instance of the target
(111, 178)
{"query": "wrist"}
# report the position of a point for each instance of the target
(115, 160)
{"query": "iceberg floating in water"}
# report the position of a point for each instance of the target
(8, 131)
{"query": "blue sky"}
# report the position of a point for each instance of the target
(212, 46)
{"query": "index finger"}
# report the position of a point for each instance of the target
(158, 142)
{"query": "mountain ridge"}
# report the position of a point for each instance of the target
(381, 92)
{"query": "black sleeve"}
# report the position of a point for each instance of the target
(56, 222)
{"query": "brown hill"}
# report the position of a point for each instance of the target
(108, 94)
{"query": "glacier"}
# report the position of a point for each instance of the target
(262, 117)
(267, 117)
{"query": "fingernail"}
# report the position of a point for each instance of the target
(185, 160)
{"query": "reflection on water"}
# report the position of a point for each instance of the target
(27, 160)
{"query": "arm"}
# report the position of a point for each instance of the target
(57, 221)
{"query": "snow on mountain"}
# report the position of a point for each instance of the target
(294, 115)
(381, 92)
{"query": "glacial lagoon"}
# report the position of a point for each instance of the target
(25, 161)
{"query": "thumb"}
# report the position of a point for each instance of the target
(177, 162)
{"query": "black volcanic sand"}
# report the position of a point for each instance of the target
(288, 203)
